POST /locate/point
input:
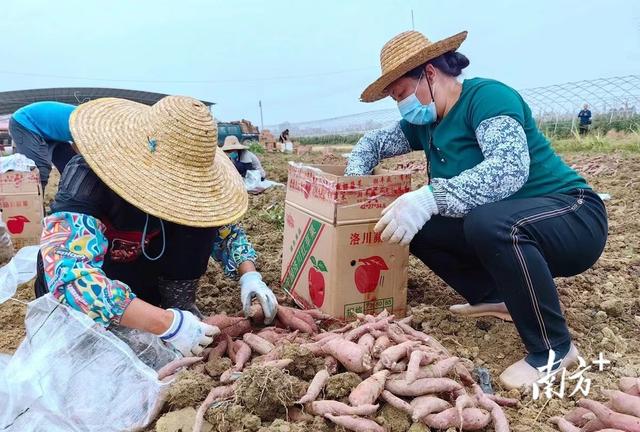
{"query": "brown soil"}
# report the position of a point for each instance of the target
(232, 418)
(340, 385)
(305, 365)
(393, 419)
(268, 391)
(189, 389)
(602, 305)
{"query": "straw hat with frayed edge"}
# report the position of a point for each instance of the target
(231, 143)
(404, 52)
(162, 159)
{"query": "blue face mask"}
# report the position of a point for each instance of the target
(233, 155)
(413, 111)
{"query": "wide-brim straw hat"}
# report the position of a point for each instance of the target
(231, 143)
(404, 52)
(163, 159)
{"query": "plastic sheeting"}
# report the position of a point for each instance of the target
(21, 269)
(70, 374)
(254, 183)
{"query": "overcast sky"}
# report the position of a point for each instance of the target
(305, 60)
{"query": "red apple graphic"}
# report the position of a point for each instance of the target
(316, 281)
(368, 274)
(15, 224)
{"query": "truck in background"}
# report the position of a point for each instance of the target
(244, 130)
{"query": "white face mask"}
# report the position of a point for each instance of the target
(413, 111)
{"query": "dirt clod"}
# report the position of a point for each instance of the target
(340, 385)
(267, 391)
(215, 366)
(305, 364)
(393, 419)
(232, 418)
(189, 389)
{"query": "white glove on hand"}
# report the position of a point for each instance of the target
(403, 218)
(188, 334)
(251, 286)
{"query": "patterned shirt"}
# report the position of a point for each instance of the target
(92, 254)
(503, 171)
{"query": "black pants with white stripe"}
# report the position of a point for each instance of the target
(511, 250)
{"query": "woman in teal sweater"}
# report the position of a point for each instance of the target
(502, 213)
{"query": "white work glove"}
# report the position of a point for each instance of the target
(188, 334)
(251, 286)
(402, 219)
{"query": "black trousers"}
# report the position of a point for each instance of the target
(511, 250)
(44, 153)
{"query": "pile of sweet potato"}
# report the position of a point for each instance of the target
(399, 365)
(621, 413)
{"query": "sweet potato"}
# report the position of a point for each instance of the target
(630, 385)
(315, 387)
(231, 348)
(439, 369)
(422, 386)
(500, 422)
(382, 343)
(331, 364)
(394, 354)
(416, 358)
(464, 401)
(258, 344)
(296, 321)
(350, 354)
(295, 414)
(173, 366)
(219, 349)
(611, 418)
(576, 416)
(357, 424)
(323, 407)
(424, 405)
(503, 401)
(366, 328)
(396, 402)
(272, 334)
(417, 334)
(594, 425)
(396, 334)
(366, 341)
(564, 425)
(216, 393)
(369, 390)
(401, 366)
(624, 403)
(472, 419)
(242, 355)
(278, 364)
(232, 326)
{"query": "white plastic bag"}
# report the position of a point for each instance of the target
(254, 183)
(70, 374)
(21, 269)
(16, 162)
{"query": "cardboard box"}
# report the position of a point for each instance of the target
(21, 200)
(332, 259)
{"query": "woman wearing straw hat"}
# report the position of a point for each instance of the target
(242, 158)
(137, 216)
(502, 213)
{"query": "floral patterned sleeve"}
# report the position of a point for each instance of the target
(504, 170)
(73, 246)
(232, 248)
(374, 146)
